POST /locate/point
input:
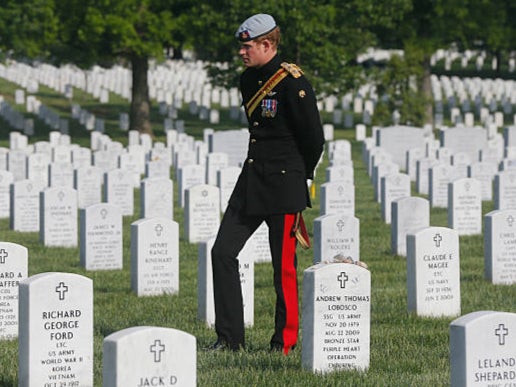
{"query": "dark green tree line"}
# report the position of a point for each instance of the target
(323, 37)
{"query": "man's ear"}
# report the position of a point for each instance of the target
(266, 45)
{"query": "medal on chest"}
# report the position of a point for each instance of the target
(269, 108)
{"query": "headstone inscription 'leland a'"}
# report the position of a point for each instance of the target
(483, 349)
(433, 272)
(149, 356)
(13, 269)
(56, 330)
(336, 317)
(155, 256)
(500, 247)
(101, 237)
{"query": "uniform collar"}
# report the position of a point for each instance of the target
(270, 67)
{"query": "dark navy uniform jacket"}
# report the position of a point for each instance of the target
(286, 142)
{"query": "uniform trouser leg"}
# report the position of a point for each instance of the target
(284, 261)
(235, 229)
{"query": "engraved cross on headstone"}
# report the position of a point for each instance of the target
(61, 289)
(3, 255)
(501, 332)
(157, 348)
(158, 229)
(340, 225)
(342, 279)
(510, 220)
(437, 239)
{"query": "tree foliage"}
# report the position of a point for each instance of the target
(28, 28)
(324, 37)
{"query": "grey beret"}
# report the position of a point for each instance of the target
(254, 27)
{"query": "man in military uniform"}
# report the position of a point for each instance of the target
(286, 142)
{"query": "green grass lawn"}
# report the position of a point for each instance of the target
(406, 350)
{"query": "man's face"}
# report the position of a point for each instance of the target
(253, 54)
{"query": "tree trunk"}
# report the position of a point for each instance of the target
(426, 88)
(139, 114)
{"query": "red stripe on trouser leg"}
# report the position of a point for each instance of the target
(289, 284)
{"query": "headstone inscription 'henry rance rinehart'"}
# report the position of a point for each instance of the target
(56, 330)
(336, 317)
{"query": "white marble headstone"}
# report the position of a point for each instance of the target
(392, 187)
(119, 190)
(156, 198)
(500, 247)
(336, 317)
(483, 349)
(202, 212)
(205, 301)
(58, 217)
(56, 330)
(149, 356)
(6, 179)
(101, 237)
(433, 272)
(410, 213)
(25, 205)
(465, 206)
(155, 256)
(337, 197)
(14, 268)
(336, 234)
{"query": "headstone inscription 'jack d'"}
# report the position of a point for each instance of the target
(149, 356)
(336, 317)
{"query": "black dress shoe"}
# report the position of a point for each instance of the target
(277, 347)
(219, 345)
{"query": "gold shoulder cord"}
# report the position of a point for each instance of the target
(293, 69)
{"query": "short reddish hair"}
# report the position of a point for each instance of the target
(273, 37)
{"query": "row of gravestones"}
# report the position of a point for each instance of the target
(56, 325)
(433, 262)
(479, 57)
(462, 196)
